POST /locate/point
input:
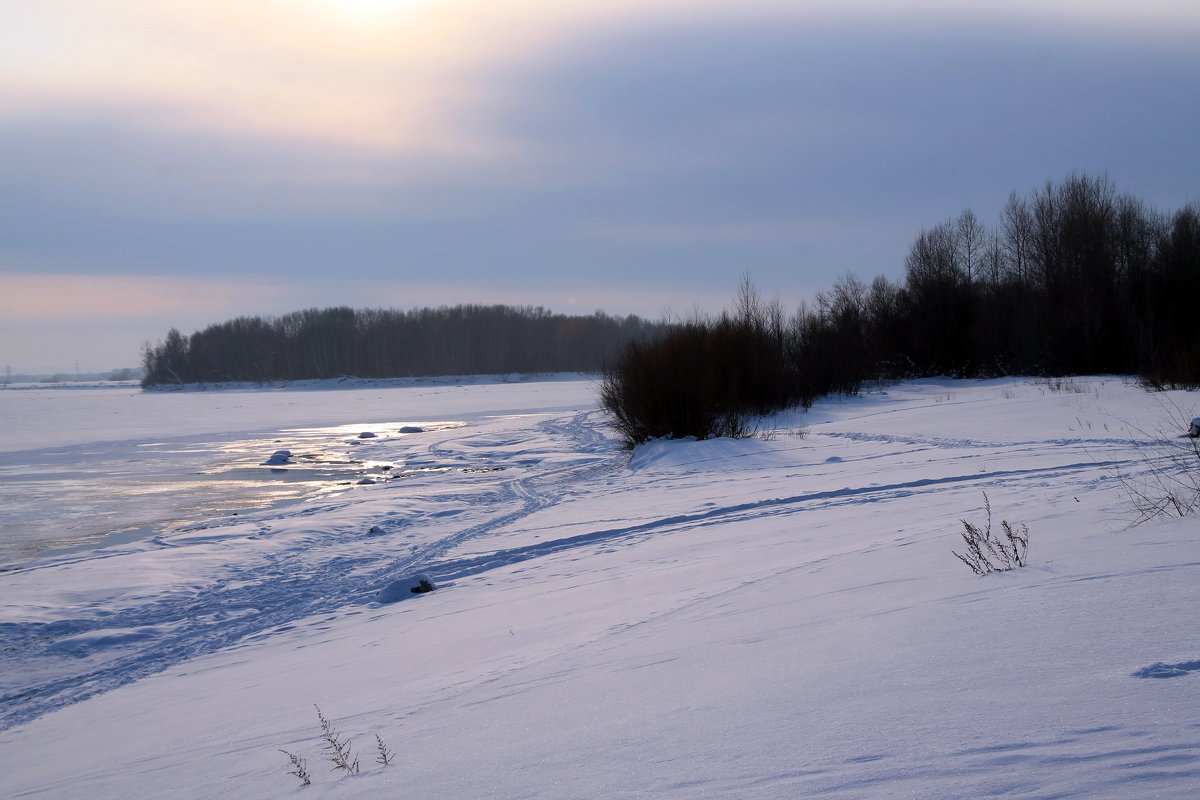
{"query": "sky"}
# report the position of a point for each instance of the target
(169, 163)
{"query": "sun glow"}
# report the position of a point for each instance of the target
(367, 14)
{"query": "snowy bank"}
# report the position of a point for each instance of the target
(766, 618)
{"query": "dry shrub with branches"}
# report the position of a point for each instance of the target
(336, 747)
(1169, 482)
(299, 768)
(989, 552)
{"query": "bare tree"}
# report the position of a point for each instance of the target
(1018, 239)
(969, 239)
(932, 257)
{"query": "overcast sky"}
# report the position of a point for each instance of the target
(168, 163)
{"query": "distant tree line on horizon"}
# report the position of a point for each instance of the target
(389, 343)
(115, 375)
(1074, 279)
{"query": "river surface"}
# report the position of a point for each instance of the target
(88, 465)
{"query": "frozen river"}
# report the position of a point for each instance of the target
(92, 464)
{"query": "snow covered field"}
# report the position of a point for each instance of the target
(770, 618)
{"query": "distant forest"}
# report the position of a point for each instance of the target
(1074, 279)
(381, 343)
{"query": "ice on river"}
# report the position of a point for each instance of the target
(83, 466)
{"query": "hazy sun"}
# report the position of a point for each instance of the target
(369, 12)
(370, 6)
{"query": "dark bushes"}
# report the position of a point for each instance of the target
(712, 377)
(703, 378)
(699, 380)
(663, 387)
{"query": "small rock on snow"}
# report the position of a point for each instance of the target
(279, 457)
(405, 587)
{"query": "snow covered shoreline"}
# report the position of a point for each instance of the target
(775, 617)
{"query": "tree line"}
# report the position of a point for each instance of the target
(387, 343)
(1075, 278)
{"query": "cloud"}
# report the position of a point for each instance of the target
(258, 68)
(175, 301)
(833, 139)
(795, 232)
(404, 76)
(54, 297)
(693, 134)
(535, 150)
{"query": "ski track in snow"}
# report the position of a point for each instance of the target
(277, 589)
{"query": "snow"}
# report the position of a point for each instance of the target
(763, 618)
(405, 588)
(278, 458)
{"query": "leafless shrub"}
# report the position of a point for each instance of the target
(337, 749)
(703, 378)
(1062, 384)
(383, 755)
(800, 432)
(1169, 482)
(989, 552)
(299, 768)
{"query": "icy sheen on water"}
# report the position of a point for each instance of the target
(93, 465)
